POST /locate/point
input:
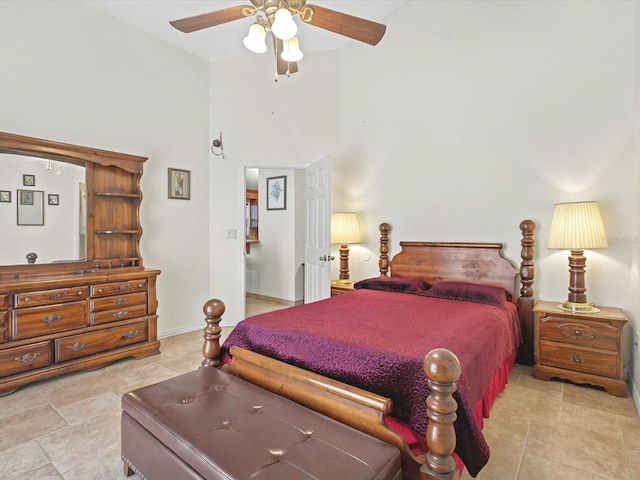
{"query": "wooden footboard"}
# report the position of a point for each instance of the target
(358, 408)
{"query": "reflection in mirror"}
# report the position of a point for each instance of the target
(30, 207)
(63, 231)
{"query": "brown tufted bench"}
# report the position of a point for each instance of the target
(211, 424)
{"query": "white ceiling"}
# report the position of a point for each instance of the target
(224, 42)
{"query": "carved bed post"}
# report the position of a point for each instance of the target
(213, 311)
(526, 300)
(442, 368)
(383, 262)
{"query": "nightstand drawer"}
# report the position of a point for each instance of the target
(579, 332)
(578, 359)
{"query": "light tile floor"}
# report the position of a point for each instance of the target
(69, 427)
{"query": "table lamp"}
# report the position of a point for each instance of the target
(344, 230)
(577, 226)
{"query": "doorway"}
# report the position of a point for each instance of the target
(275, 261)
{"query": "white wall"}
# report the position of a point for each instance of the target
(71, 74)
(290, 123)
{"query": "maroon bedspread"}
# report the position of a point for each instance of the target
(377, 341)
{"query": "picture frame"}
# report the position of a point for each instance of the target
(26, 197)
(5, 196)
(179, 184)
(277, 193)
(30, 205)
(28, 180)
(53, 199)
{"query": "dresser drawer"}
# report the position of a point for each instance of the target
(119, 302)
(82, 345)
(106, 289)
(124, 313)
(49, 297)
(22, 359)
(4, 300)
(31, 322)
(578, 359)
(579, 332)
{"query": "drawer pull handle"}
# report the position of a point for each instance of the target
(52, 319)
(76, 347)
(140, 285)
(121, 314)
(577, 358)
(120, 301)
(131, 334)
(27, 299)
(80, 292)
(27, 357)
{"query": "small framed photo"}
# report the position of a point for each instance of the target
(29, 180)
(179, 184)
(53, 199)
(277, 193)
(26, 197)
(5, 196)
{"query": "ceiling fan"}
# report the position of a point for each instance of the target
(276, 17)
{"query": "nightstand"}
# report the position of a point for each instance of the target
(582, 348)
(338, 287)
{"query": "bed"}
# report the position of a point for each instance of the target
(360, 357)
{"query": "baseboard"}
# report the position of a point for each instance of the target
(635, 394)
(179, 331)
(281, 301)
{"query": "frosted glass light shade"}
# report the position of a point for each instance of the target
(344, 228)
(254, 40)
(283, 26)
(291, 50)
(577, 226)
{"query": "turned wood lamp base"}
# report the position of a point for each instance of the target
(577, 301)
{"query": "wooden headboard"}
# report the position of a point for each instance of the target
(484, 263)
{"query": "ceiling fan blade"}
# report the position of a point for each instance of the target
(337, 22)
(282, 66)
(206, 20)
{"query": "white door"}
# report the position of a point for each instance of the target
(317, 262)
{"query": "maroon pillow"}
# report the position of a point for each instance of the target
(467, 292)
(393, 284)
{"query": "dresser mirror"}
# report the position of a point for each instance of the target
(54, 230)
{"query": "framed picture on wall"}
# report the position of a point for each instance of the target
(5, 196)
(26, 197)
(277, 193)
(179, 184)
(29, 180)
(53, 199)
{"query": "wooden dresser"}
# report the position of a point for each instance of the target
(75, 321)
(69, 315)
(582, 348)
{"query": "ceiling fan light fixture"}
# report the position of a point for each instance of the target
(291, 50)
(254, 40)
(283, 26)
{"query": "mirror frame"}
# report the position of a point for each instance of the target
(77, 155)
